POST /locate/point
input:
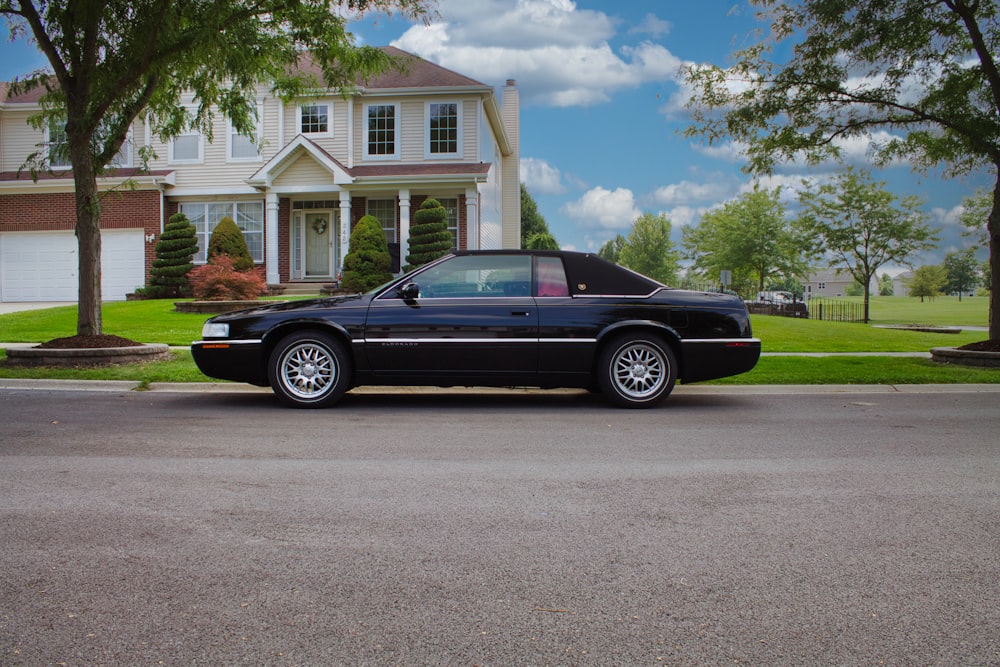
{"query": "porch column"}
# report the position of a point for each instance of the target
(404, 225)
(345, 228)
(271, 239)
(471, 219)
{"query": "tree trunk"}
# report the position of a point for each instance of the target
(88, 235)
(993, 231)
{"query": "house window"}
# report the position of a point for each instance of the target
(314, 119)
(123, 158)
(385, 211)
(187, 147)
(246, 147)
(442, 130)
(249, 217)
(381, 141)
(58, 145)
(451, 206)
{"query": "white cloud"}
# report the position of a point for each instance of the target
(558, 53)
(540, 177)
(687, 192)
(651, 25)
(604, 208)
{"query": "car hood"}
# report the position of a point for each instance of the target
(291, 306)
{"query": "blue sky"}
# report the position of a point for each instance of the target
(602, 101)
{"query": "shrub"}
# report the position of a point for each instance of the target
(429, 235)
(174, 252)
(220, 281)
(227, 239)
(368, 261)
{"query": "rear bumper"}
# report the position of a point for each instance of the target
(714, 358)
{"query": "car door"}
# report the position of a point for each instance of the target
(474, 319)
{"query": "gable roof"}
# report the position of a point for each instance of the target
(412, 72)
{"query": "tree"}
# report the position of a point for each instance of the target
(368, 262)
(962, 271)
(114, 60)
(856, 225)
(175, 249)
(430, 237)
(532, 222)
(750, 237)
(227, 239)
(648, 249)
(886, 286)
(920, 76)
(928, 281)
(612, 249)
(543, 241)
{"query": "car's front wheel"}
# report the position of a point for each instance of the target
(309, 369)
(637, 370)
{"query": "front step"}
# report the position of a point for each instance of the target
(302, 289)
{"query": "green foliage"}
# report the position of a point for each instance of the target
(532, 222)
(542, 241)
(648, 249)
(430, 237)
(368, 262)
(220, 280)
(856, 224)
(928, 281)
(886, 287)
(925, 74)
(612, 249)
(962, 271)
(227, 239)
(174, 251)
(750, 237)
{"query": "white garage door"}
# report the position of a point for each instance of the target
(42, 266)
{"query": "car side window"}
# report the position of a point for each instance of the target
(477, 276)
(551, 278)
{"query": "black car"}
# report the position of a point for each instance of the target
(488, 318)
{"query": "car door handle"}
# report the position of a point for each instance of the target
(520, 313)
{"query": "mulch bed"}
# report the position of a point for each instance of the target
(88, 342)
(983, 346)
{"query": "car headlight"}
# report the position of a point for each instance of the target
(215, 330)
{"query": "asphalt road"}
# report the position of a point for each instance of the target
(511, 529)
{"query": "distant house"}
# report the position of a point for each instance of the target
(323, 163)
(901, 284)
(827, 283)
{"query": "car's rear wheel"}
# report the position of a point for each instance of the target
(637, 370)
(309, 369)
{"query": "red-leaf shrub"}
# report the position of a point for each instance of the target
(219, 281)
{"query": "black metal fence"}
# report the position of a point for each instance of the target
(831, 310)
(817, 308)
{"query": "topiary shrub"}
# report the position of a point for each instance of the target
(174, 252)
(430, 237)
(368, 261)
(227, 239)
(220, 281)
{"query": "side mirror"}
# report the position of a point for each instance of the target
(409, 291)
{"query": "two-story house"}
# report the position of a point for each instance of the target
(314, 169)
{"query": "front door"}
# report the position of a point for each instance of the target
(319, 244)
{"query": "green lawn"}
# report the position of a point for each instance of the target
(155, 321)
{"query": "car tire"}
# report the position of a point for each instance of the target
(637, 370)
(309, 369)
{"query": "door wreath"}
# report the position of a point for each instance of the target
(319, 226)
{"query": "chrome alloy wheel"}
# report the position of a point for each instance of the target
(308, 370)
(639, 370)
